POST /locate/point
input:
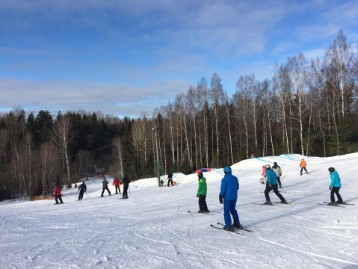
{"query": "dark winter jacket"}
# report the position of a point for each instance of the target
(82, 187)
(229, 187)
(105, 183)
(271, 177)
(335, 180)
(170, 175)
(126, 180)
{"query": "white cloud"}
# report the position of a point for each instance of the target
(110, 99)
(133, 51)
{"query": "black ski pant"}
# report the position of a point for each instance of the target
(302, 170)
(279, 182)
(125, 191)
(118, 189)
(105, 188)
(202, 203)
(170, 181)
(335, 190)
(58, 198)
(80, 196)
(275, 190)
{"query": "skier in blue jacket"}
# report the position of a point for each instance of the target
(228, 196)
(335, 186)
(271, 184)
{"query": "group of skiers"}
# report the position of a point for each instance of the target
(228, 197)
(116, 183)
(273, 182)
(269, 175)
(169, 180)
(57, 191)
(228, 190)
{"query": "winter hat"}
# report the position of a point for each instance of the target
(200, 174)
(268, 166)
(227, 169)
(275, 163)
(331, 169)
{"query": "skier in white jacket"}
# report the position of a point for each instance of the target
(278, 172)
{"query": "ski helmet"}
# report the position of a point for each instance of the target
(331, 169)
(200, 174)
(227, 169)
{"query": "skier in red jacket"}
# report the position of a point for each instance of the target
(116, 184)
(57, 194)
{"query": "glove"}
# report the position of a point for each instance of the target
(330, 188)
(221, 199)
(197, 195)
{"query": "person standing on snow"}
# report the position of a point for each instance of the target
(201, 194)
(105, 186)
(170, 179)
(303, 165)
(82, 189)
(228, 196)
(271, 184)
(126, 182)
(116, 184)
(278, 172)
(335, 186)
(263, 175)
(57, 194)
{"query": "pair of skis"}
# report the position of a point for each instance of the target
(204, 213)
(333, 204)
(274, 203)
(221, 226)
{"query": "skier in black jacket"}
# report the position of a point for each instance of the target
(125, 182)
(105, 186)
(82, 189)
(170, 178)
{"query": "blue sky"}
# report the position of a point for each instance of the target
(130, 57)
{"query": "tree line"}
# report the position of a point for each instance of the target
(307, 107)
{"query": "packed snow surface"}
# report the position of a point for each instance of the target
(153, 229)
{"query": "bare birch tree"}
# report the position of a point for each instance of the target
(340, 60)
(61, 137)
(49, 163)
(281, 83)
(203, 103)
(298, 76)
(117, 149)
(218, 99)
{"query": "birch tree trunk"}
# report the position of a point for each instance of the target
(117, 149)
(61, 137)
(298, 74)
(228, 116)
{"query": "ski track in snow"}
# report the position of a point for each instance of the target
(306, 252)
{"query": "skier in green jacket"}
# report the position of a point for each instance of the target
(201, 194)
